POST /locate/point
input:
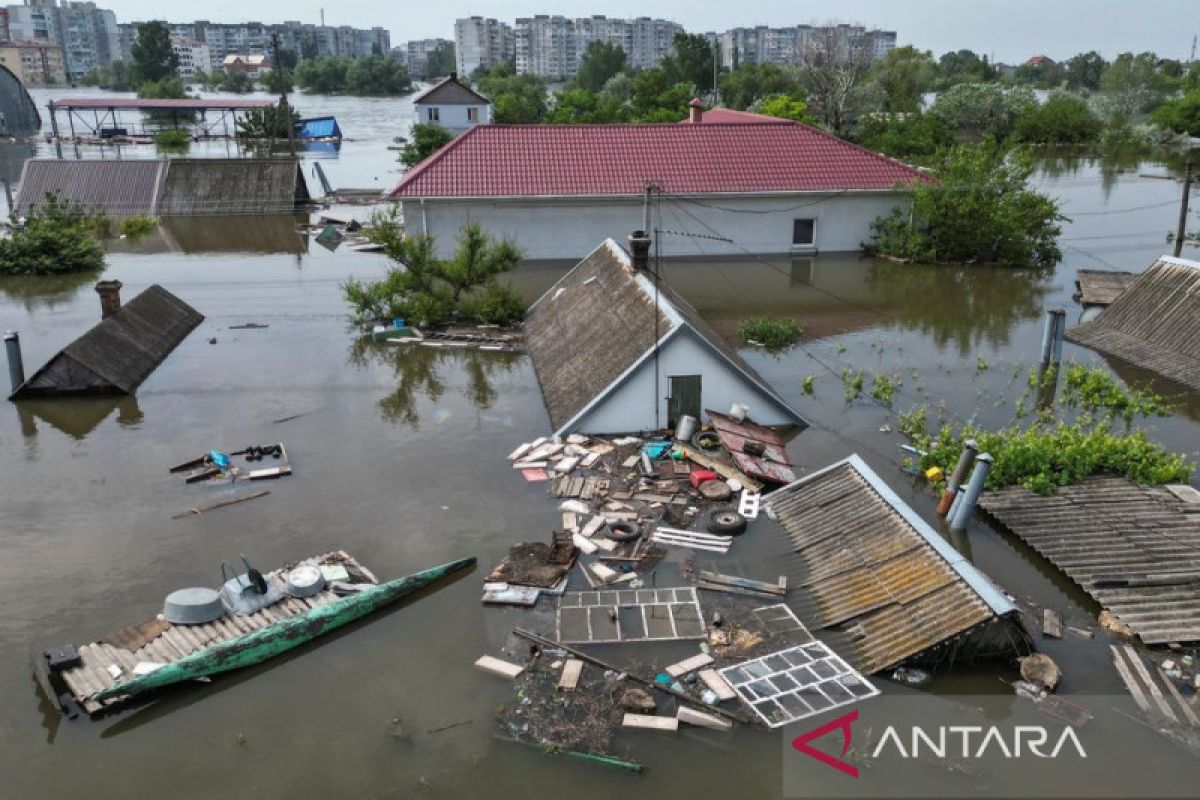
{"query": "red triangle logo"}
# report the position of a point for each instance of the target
(842, 724)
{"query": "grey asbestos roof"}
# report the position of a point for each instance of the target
(165, 187)
(1154, 323)
(600, 321)
(118, 354)
(870, 564)
(450, 91)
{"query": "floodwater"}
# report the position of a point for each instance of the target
(399, 459)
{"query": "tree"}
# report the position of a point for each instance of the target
(288, 58)
(976, 110)
(308, 47)
(57, 237)
(1044, 74)
(981, 211)
(583, 107)
(237, 82)
(785, 107)
(654, 97)
(1132, 84)
(601, 61)
(433, 291)
(440, 62)
(749, 83)
(322, 75)
(376, 75)
(153, 57)
(1083, 71)
(904, 74)
(266, 122)
(427, 139)
(278, 81)
(516, 99)
(1062, 119)
(692, 61)
(113, 76)
(1181, 115)
(905, 136)
(963, 66)
(166, 89)
(833, 78)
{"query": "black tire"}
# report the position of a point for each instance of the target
(707, 441)
(724, 522)
(622, 531)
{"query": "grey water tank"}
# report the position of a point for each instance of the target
(194, 606)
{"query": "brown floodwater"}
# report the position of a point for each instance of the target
(399, 459)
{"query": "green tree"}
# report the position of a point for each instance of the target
(153, 57)
(963, 66)
(266, 122)
(278, 81)
(288, 58)
(785, 107)
(583, 107)
(655, 97)
(976, 110)
(516, 99)
(1083, 71)
(166, 89)
(912, 137)
(427, 139)
(376, 75)
(432, 291)
(323, 75)
(1181, 115)
(981, 211)
(57, 237)
(601, 61)
(440, 62)
(1062, 119)
(1044, 74)
(692, 61)
(1132, 85)
(749, 83)
(905, 74)
(237, 82)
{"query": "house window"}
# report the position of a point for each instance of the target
(804, 232)
(433, 115)
(472, 114)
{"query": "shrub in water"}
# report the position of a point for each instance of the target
(773, 333)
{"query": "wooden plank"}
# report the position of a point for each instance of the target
(1183, 706)
(594, 524)
(1131, 683)
(713, 680)
(671, 542)
(520, 451)
(726, 471)
(679, 533)
(693, 717)
(1051, 624)
(1143, 673)
(496, 666)
(604, 573)
(779, 588)
(570, 675)
(651, 723)
(583, 544)
(692, 664)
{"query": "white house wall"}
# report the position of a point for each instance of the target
(631, 406)
(453, 117)
(570, 229)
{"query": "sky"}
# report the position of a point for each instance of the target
(1008, 30)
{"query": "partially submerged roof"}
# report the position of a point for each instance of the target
(118, 354)
(1135, 549)
(174, 104)
(155, 187)
(600, 321)
(1099, 287)
(873, 567)
(18, 113)
(450, 91)
(604, 160)
(1154, 323)
(318, 128)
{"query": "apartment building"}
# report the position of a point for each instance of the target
(415, 55)
(34, 63)
(796, 44)
(87, 35)
(194, 56)
(482, 42)
(553, 46)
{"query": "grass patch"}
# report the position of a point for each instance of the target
(883, 388)
(809, 384)
(137, 226)
(771, 333)
(852, 383)
(173, 140)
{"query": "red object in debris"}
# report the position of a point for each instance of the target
(699, 476)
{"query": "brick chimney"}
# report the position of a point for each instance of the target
(695, 111)
(110, 298)
(639, 249)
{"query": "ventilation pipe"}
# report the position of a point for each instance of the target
(965, 460)
(16, 367)
(639, 249)
(695, 111)
(1052, 335)
(965, 503)
(110, 297)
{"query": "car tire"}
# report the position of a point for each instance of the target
(724, 522)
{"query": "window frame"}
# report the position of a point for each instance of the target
(812, 242)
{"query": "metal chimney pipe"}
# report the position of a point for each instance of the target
(965, 460)
(1060, 327)
(16, 367)
(639, 250)
(970, 496)
(1048, 336)
(110, 297)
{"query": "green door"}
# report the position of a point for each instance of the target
(684, 398)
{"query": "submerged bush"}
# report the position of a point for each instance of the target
(773, 333)
(172, 140)
(57, 237)
(137, 226)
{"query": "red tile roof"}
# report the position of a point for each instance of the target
(719, 114)
(597, 160)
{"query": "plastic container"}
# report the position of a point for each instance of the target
(194, 606)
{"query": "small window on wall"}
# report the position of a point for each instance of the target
(804, 232)
(433, 115)
(472, 114)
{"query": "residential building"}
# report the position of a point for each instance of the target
(553, 46)
(253, 65)
(453, 105)
(88, 35)
(762, 187)
(482, 42)
(796, 44)
(415, 55)
(34, 63)
(194, 56)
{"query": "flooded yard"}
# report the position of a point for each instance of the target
(399, 458)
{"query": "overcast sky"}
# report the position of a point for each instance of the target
(1010, 30)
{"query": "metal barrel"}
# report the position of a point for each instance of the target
(16, 367)
(961, 515)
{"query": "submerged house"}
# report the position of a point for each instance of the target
(167, 186)
(884, 587)
(319, 129)
(453, 105)
(615, 349)
(117, 355)
(1154, 323)
(758, 186)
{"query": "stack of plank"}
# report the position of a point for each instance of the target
(732, 584)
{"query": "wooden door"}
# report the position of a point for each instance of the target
(683, 399)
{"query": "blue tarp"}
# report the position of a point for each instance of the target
(318, 128)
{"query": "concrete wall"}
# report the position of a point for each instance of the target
(570, 229)
(631, 406)
(454, 117)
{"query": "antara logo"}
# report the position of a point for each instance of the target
(843, 724)
(1030, 739)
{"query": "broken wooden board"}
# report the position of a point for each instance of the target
(1052, 626)
(496, 666)
(778, 589)
(570, 675)
(520, 451)
(583, 544)
(726, 471)
(594, 524)
(692, 664)
(717, 684)
(650, 723)
(693, 717)
(513, 596)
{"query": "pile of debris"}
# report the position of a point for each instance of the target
(332, 232)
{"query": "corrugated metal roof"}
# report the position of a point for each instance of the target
(318, 128)
(600, 321)
(1111, 528)
(603, 160)
(120, 352)
(1154, 323)
(190, 103)
(20, 114)
(870, 563)
(157, 187)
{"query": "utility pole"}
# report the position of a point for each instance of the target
(1183, 209)
(284, 112)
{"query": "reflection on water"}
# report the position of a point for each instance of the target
(45, 291)
(277, 233)
(419, 373)
(76, 416)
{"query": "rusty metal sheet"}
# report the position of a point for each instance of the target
(763, 469)
(746, 428)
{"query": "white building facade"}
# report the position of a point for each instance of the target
(452, 105)
(482, 42)
(194, 57)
